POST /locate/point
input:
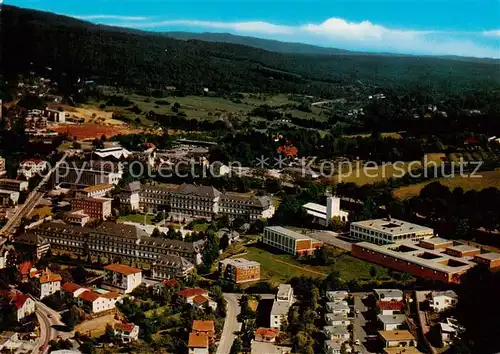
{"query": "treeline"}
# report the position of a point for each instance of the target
(33, 41)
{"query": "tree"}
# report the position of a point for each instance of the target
(79, 274)
(369, 210)
(237, 346)
(71, 317)
(373, 272)
(211, 251)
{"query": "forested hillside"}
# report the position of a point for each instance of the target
(33, 40)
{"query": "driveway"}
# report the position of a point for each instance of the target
(231, 323)
(358, 322)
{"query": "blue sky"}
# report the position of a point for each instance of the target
(460, 27)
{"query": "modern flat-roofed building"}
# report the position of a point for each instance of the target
(96, 208)
(463, 251)
(435, 243)
(282, 303)
(121, 278)
(386, 231)
(411, 258)
(239, 270)
(490, 259)
(290, 241)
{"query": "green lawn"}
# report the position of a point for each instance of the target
(138, 218)
(278, 267)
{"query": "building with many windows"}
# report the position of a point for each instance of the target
(282, 303)
(290, 241)
(204, 201)
(171, 266)
(239, 270)
(129, 196)
(96, 208)
(116, 241)
(121, 278)
(13, 185)
(88, 173)
(385, 231)
(46, 284)
(99, 190)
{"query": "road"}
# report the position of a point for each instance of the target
(31, 201)
(231, 323)
(47, 319)
(359, 322)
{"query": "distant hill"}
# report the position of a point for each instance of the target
(34, 40)
(266, 44)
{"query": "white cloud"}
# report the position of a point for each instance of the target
(494, 33)
(340, 33)
(112, 17)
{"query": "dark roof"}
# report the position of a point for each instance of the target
(190, 247)
(29, 238)
(64, 228)
(262, 201)
(132, 187)
(201, 191)
(173, 261)
(124, 230)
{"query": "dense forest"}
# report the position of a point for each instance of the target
(35, 41)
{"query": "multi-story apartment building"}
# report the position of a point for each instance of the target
(97, 303)
(88, 173)
(281, 305)
(13, 185)
(171, 266)
(204, 201)
(96, 208)
(113, 241)
(385, 231)
(46, 284)
(239, 270)
(121, 278)
(290, 241)
(99, 190)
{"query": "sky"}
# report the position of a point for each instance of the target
(431, 27)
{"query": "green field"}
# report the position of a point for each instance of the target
(488, 179)
(279, 267)
(361, 175)
(138, 218)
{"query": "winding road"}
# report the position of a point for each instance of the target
(231, 323)
(48, 318)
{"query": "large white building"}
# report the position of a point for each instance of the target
(282, 303)
(121, 278)
(323, 214)
(290, 241)
(46, 284)
(388, 230)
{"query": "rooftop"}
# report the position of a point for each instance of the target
(396, 335)
(392, 319)
(463, 248)
(388, 293)
(198, 340)
(239, 262)
(125, 327)
(402, 350)
(336, 329)
(392, 226)
(315, 207)
(280, 308)
(288, 232)
(97, 187)
(49, 277)
(449, 293)
(437, 241)
(89, 296)
(333, 344)
(203, 326)
(267, 332)
(200, 299)
(391, 305)
(490, 256)
(70, 287)
(338, 305)
(335, 317)
(122, 269)
(191, 292)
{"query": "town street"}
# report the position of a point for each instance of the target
(47, 319)
(231, 323)
(359, 322)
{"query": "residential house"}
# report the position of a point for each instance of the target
(332, 319)
(397, 338)
(391, 322)
(95, 303)
(121, 278)
(402, 350)
(204, 328)
(266, 334)
(390, 307)
(71, 290)
(388, 294)
(333, 346)
(442, 300)
(23, 303)
(127, 332)
(198, 344)
(338, 308)
(46, 284)
(336, 333)
(282, 303)
(447, 332)
(334, 296)
(200, 302)
(197, 297)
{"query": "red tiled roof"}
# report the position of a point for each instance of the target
(203, 326)
(125, 327)
(170, 283)
(16, 297)
(198, 340)
(49, 277)
(391, 305)
(122, 268)
(267, 332)
(192, 292)
(25, 267)
(110, 295)
(70, 287)
(200, 299)
(89, 296)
